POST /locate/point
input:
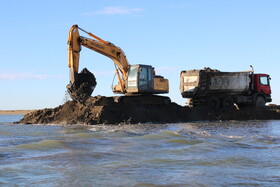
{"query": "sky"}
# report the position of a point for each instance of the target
(170, 35)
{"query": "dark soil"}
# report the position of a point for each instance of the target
(83, 87)
(104, 110)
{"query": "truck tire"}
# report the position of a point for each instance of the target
(214, 103)
(260, 101)
(227, 103)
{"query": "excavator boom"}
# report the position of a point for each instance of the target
(75, 41)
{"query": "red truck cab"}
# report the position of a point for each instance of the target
(261, 84)
(262, 89)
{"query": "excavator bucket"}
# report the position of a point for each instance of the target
(83, 86)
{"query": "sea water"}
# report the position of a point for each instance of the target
(232, 153)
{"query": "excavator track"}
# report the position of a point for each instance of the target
(143, 99)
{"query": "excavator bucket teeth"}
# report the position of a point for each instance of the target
(83, 86)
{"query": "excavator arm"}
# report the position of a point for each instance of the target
(75, 41)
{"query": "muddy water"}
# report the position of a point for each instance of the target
(194, 154)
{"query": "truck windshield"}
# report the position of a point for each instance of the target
(264, 80)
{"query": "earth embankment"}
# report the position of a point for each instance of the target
(105, 110)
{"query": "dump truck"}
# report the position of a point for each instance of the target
(219, 89)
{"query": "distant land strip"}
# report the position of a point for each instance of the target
(14, 112)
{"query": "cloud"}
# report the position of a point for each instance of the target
(26, 76)
(112, 10)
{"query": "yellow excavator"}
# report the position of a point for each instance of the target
(138, 82)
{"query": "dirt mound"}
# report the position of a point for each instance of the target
(105, 110)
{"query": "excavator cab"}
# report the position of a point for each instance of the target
(142, 79)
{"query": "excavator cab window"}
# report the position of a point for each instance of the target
(133, 73)
(143, 79)
(143, 73)
(132, 81)
(146, 78)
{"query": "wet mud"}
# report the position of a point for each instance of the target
(83, 87)
(105, 110)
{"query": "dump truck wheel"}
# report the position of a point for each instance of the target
(227, 103)
(260, 102)
(214, 103)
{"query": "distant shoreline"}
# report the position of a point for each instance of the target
(14, 112)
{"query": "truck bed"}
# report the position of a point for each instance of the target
(199, 83)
